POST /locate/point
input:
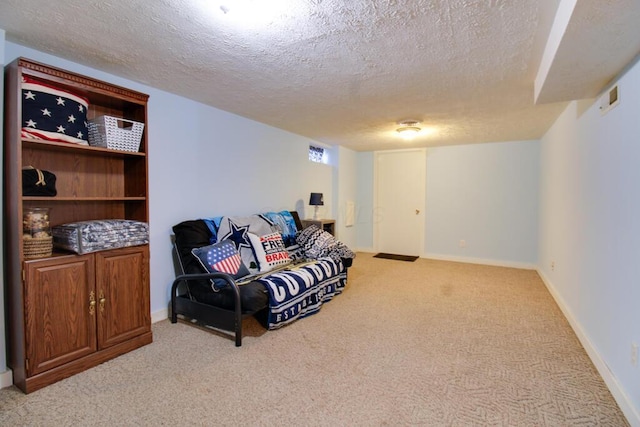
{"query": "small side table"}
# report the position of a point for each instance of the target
(328, 225)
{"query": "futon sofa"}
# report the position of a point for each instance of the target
(264, 265)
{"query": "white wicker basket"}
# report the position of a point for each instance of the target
(115, 133)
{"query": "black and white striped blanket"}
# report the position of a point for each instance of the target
(301, 290)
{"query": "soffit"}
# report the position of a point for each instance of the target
(590, 43)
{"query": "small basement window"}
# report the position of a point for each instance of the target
(318, 154)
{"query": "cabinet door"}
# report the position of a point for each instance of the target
(122, 287)
(60, 317)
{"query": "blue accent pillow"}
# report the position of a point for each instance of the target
(286, 225)
(221, 257)
(213, 224)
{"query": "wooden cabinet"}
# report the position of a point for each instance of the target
(68, 312)
(59, 318)
(122, 294)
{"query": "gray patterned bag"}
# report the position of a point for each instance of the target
(91, 236)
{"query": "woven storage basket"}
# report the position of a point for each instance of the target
(40, 247)
(115, 133)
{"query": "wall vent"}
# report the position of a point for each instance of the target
(610, 99)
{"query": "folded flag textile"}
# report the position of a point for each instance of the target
(53, 114)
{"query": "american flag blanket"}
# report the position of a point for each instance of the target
(301, 290)
(53, 114)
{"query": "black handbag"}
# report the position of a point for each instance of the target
(36, 182)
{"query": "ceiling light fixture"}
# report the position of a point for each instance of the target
(408, 129)
(254, 12)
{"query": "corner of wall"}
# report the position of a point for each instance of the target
(6, 379)
(160, 315)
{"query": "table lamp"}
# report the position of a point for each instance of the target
(316, 200)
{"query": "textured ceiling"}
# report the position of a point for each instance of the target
(340, 72)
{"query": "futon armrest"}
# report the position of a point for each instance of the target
(200, 276)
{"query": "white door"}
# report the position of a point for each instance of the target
(400, 185)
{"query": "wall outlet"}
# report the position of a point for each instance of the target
(553, 266)
(634, 354)
(463, 243)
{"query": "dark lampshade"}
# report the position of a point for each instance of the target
(316, 199)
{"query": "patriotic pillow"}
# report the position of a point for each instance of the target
(53, 114)
(270, 251)
(221, 257)
(237, 229)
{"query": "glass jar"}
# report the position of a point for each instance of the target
(35, 223)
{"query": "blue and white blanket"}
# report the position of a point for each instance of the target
(301, 290)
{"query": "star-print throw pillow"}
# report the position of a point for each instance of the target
(237, 230)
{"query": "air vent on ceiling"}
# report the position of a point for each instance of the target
(610, 99)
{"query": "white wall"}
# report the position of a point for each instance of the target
(346, 181)
(206, 162)
(217, 163)
(486, 195)
(364, 202)
(590, 230)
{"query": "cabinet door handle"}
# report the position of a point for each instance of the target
(102, 300)
(92, 303)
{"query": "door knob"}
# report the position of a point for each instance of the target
(417, 211)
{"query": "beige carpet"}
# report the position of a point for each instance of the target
(408, 343)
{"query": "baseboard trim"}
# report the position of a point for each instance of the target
(469, 260)
(366, 250)
(484, 261)
(627, 408)
(6, 378)
(159, 315)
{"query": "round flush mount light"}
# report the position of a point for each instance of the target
(254, 13)
(408, 129)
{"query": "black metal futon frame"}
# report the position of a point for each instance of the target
(183, 303)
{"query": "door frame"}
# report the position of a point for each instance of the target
(423, 202)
